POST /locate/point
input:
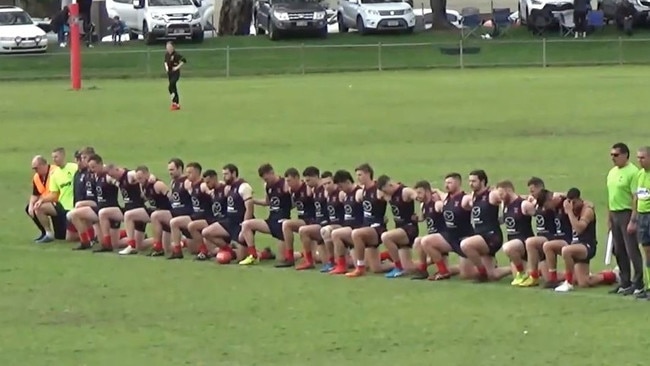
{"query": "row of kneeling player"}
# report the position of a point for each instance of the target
(341, 222)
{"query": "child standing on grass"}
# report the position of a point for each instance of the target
(117, 29)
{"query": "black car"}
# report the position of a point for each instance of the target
(278, 17)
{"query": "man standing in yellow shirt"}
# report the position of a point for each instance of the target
(640, 220)
(621, 188)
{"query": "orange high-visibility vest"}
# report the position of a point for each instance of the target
(44, 188)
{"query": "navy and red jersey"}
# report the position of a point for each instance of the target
(403, 211)
(201, 201)
(562, 223)
(158, 201)
(105, 192)
(335, 209)
(374, 208)
(180, 198)
(279, 200)
(588, 235)
(457, 219)
(433, 219)
(304, 203)
(352, 209)
(131, 192)
(219, 203)
(84, 186)
(485, 216)
(518, 225)
(320, 205)
(236, 208)
(545, 220)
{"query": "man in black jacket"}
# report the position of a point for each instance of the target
(580, 8)
(59, 23)
(84, 15)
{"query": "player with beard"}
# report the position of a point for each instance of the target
(302, 197)
(156, 193)
(311, 232)
(136, 216)
(212, 203)
(582, 247)
(278, 199)
(400, 240)
(198, 202)
(482, 247)
(367, 238)
(545, 218)
(517, 213)
(456, 212)
(181, 205)
(433, 219)
(345, 215)
(335, 215)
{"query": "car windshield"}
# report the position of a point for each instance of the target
(170, 2)
(380, 1)
(15, 18)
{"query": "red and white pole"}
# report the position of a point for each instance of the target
(75, 46)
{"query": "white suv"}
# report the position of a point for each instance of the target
(162, 19)
(375, 15)
(526, 6)
(18, 33)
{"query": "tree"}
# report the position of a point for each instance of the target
(235, 17)
(439, 9)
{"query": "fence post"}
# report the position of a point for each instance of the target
(460, 53)
(620, 51)
(379, 66)
(544, 52)
(148, 62)
(228, 61)
(302, 58)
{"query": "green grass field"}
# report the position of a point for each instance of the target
(59, 307)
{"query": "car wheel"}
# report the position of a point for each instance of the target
(410, 30)
(360, 26)
(148, 37)
(133, 36)
(198, 37)
(521, 18)
(341, 23)
(322, 33)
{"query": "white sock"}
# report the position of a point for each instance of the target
(49, 234)
(361, 263)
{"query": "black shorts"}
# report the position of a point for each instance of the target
(379, 229)
(275, 228)
(494, 241)
(222, 221)
(60, 222)
(233, 229)
(196, 216)
(114, 224)
(591, 253)
(310, 220)
(412, 232)
(454, 243)
(568, 238)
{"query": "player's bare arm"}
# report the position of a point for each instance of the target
(246, 192)
(466, 202)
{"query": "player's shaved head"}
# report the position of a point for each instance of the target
(38, 160)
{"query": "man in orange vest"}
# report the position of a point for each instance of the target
(42, 172)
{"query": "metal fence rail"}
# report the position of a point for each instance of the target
(310, 58)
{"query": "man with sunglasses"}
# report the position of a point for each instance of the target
(621, 187)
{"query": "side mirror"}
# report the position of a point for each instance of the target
(138, 4)
(197, 3)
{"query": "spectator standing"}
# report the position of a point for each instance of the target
(621, 187)
(59, 25)
(84, 15)
(580, 8)
(640, 220)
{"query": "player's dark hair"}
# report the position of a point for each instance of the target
(195, 165)
(232, 168)
(423, 184)
(573, 193)
(506, 184)
(264, 169)
(292, 172)
(536, 182)
(382, 181)
(210, 173)
(366, 168)
(481, 175)
(77, 155)
(623, 148)
(96, 158)
(142, 168)
(178, 163)
(311, 171)
(88, 150)
(342, 176)
(455, 176)
(326, 174)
